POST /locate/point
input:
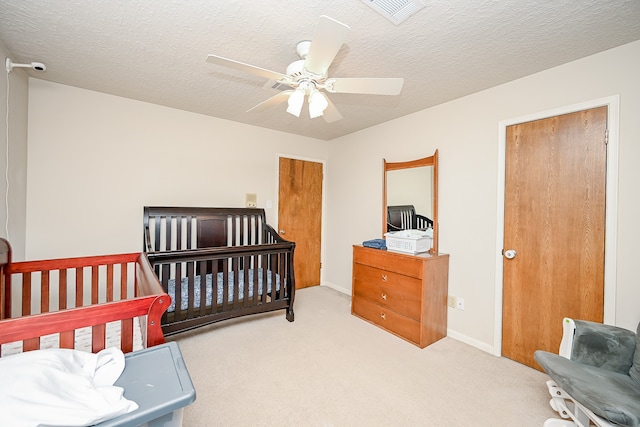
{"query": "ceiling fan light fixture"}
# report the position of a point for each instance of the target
(317, 104)
(296, 99)
(305, 76)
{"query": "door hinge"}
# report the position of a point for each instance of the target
(606, 136)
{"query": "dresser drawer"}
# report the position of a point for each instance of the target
(389, 290)
(398, 324)
(391, 261)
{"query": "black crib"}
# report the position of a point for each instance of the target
(217, 264)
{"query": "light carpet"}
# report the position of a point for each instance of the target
(329, 368)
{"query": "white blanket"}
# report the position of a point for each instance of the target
(60, 387)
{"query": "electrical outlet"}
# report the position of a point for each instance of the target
(460, 303)
(251, 200)
(451, 301)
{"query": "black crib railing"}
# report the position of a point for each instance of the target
(213, 284)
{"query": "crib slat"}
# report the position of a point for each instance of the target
(279, 264)
(225, 285)
(98, 337)
(203, 289)
(94, 284)
(218, 268)
(26, 294)
(178, 292)
(110, 282)
(259, 274)
(31, 344)
(178, 282)
(263, 271)
(156, 232)
(79, 287)
(236, 281)
(249, 284)
(191, 293)
(267, 267)
(124, 292)
(178, 232)
(126, 335)
(67, 339)
(62, 289)
(189, 232)
(167, 243)
(44, 292)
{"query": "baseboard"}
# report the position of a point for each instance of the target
(336, 288)
(470, 341)
(450, 333)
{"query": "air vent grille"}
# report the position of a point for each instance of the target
(395, 11)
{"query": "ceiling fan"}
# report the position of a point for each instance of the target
(307, 76)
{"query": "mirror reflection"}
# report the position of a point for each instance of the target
(410, 196)
(409, 207)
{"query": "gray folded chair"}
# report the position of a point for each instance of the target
(596, 376)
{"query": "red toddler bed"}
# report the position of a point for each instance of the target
(95, 302)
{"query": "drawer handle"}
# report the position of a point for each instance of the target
(384, 296)
(382, 316)
(384, 277)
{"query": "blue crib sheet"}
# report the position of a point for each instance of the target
(184, 289)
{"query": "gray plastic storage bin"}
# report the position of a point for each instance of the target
(157, 380)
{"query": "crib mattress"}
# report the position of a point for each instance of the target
(259, 273)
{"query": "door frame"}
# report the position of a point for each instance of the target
(611, 211)
(322, 214)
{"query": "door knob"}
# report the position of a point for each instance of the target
(281, 231)
(510, 253)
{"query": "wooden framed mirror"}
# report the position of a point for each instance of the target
(409, 184)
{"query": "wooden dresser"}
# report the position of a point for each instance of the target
(401, 293)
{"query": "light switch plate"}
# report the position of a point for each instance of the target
(251, 200)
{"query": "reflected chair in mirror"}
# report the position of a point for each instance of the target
(404, 217)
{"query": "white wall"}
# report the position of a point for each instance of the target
(465, 131)
(13, 85)
(95, 160)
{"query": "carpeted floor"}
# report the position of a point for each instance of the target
(329, 368)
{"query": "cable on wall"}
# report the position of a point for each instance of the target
(6, 168)
(10, 65)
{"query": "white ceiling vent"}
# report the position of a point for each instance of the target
(395, 11)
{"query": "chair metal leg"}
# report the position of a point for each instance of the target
(567, 408)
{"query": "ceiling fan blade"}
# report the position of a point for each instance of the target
(252, 69)
(327, 41)
(365, 85)
(331, 113)
(271, 102)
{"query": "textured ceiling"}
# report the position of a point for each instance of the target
(155, 51)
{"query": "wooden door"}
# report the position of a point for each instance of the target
(555, 222)
(300, 216)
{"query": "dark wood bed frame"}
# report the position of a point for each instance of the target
(187, 244)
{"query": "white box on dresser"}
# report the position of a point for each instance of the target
(404, 294)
